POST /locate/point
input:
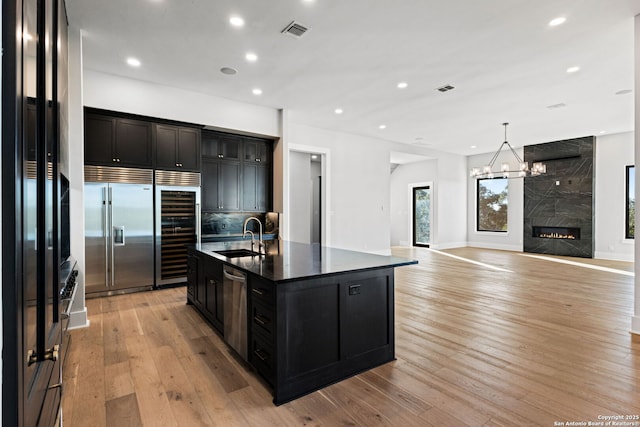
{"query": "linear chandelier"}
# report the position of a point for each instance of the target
(537, 168)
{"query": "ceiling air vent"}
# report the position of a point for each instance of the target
(295, 29)
(445, 88)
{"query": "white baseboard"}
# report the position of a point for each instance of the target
(78, 319)
(613, 256)
(635, 325)
(485, 245)
(448, 245)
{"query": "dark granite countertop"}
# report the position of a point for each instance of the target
(286, 261)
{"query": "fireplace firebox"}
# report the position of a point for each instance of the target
(566, 233)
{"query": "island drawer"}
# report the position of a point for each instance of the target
(262, 319)
(262, 357)
(262, 291)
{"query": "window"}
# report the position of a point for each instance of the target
(630, 221)
(492, 204)
(421, 216)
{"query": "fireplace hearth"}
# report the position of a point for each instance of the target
(566, 233)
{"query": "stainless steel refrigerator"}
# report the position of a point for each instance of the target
(177, 223)
(118, 206)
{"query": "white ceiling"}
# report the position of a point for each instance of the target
(505, 62)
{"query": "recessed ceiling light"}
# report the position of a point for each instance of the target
(257, 91)
(338, 111)
(474, 146)
(134, 62)
(251, 57)
(314, 156)
(573, 70)
(557, 21)
(228, 71)
(236, 21)
(382, 126)
(402, 85)
(603, 131)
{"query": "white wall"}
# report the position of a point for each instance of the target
(403, 178)
(300, 195)
(447, 178)
(357, 185)
(613, 153)
(115, 93)
(78, 316)
(512, 239)
(635, 319)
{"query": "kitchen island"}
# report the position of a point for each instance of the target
(314, 315)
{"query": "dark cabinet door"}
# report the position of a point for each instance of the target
(229, 186)
(177, 148)
(255, 187)
(230, 147)
(188, 149)
(99, 138)
(210, 185)
(214, 301)
(192, 277)
(133, 143)
(166, 143)
(256, 150)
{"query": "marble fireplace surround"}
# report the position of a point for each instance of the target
(563, 197)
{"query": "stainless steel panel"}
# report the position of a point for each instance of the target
(176, 178)
(96, 238)
(132, 212)
(109, 174)
(235, 310)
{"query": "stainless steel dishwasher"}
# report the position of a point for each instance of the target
(235, 310)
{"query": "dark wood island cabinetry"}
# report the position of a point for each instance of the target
(315, 315)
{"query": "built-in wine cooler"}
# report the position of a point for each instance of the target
(177, 223)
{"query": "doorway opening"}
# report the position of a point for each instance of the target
(307, 197)
(421, 214)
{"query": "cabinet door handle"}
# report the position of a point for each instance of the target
(257, 291)
(262, 355)
(261, 320)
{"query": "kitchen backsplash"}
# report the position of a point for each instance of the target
(232, 223)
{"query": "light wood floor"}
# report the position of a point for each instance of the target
(545, 343)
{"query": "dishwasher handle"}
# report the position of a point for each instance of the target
(242, 278)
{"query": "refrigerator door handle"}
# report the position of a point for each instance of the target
(112, 263)
(105, 231)
(118, 235)
(198, 223)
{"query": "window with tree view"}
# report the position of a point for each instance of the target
(630, 203)
(492, 204)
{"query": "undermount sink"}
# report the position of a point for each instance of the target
(237, 253)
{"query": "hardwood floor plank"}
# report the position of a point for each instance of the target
(123, 412)
(184, 401)
(118, 380)
(544, 342)
(151, 393)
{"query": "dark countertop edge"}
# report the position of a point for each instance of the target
(333, 273)
(393, 263)
(232, 235)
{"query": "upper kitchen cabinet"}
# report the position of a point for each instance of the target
(221, 146)
(177, 148)
(220, 186)
(114, 141)
(257, 150)
(256, 187)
